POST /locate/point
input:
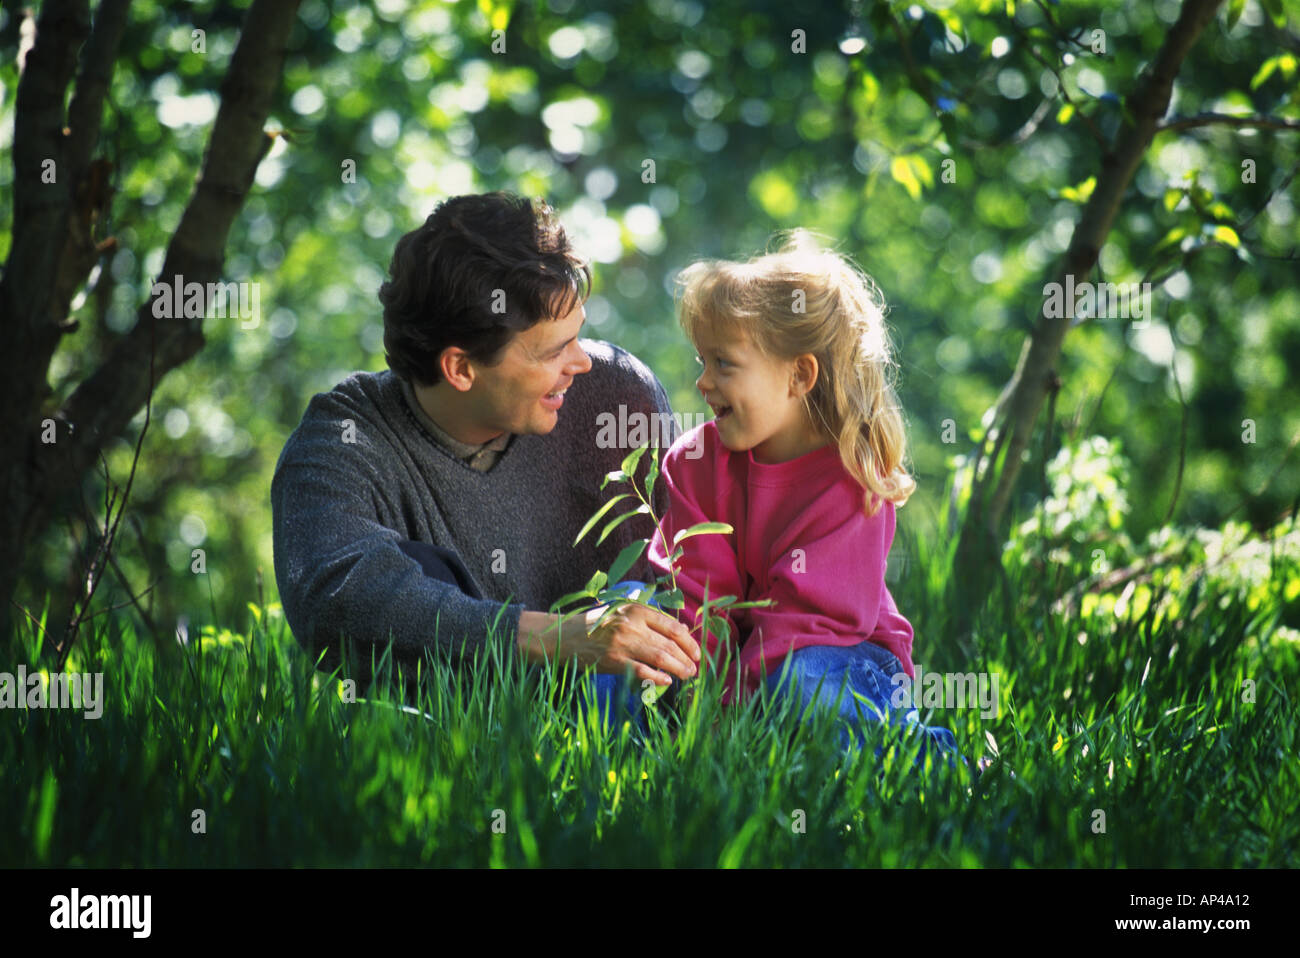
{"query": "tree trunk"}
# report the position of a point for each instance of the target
(53, 251)
(1018, 407)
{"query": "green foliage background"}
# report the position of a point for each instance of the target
(747, 137)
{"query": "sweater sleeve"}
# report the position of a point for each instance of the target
(894, 632)
(340, 572)
(828, 582)
(708, 560)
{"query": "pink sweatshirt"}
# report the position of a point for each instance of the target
(801, 538)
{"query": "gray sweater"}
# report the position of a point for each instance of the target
(340, 508)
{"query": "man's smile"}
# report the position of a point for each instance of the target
(555, 399)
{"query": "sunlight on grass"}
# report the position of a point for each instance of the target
(1143, 725)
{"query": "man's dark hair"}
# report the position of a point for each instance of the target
(446, 274)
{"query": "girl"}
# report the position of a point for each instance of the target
(804, 459)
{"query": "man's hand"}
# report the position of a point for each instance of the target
(656, 645)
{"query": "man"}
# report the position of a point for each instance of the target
(411, 504)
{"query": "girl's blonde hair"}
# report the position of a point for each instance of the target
(807, 299)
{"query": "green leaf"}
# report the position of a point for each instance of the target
(672, 600)
(1172, 238)
(569, 599)
(921, 169)
(1226, 235)
(1234, 12)
(1172, 197)
(753, 604)
(870, 91)
(652, 475)
(44, 818)
(497, 14)
(950, 20)
(901, 170)
(626, 559)
(1266, 70)
(1285, 61)
(631, 459)
(639, 510)
(1221, 211)
(702, 528)
(591, 523)
(618, 475)
(719, 627)
(1080, 193)
(655, 692)
(595, 583)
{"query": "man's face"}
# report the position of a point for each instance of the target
(524, 392)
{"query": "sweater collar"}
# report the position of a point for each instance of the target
(478, 455)
(792, 471)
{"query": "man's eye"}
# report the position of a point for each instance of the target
(723, 362)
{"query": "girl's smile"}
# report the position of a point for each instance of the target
(757, 400)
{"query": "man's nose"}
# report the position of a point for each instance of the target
(703, 384)
(580, 363)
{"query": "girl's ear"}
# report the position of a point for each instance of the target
(805, 374)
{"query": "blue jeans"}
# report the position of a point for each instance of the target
(825, 676)
(869, 669)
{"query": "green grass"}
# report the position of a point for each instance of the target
(493, 767)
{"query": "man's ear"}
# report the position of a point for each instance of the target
(456, 368)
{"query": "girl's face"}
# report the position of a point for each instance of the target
(757, 400)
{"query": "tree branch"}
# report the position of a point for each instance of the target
(1224, 119)
(86, 111)
(89, 185)
(1060, 83)
(1029, 384)
(104, 404)
(40, 207)
(112, 522)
